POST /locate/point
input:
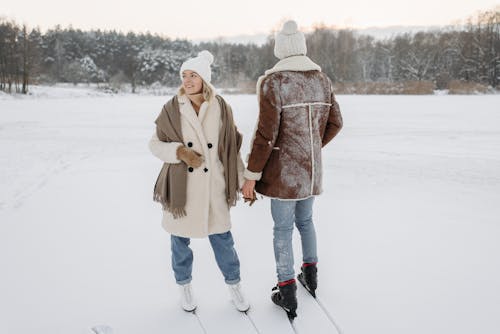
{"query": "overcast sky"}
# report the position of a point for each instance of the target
(210, 19)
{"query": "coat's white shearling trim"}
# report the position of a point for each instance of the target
(252, 176)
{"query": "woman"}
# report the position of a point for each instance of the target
(198, 142)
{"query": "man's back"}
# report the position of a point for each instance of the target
(295, 109)
(296, 87)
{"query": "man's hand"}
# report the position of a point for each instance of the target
(248, 189)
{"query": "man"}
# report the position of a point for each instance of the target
(298, 115)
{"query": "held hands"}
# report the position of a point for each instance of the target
(248, 191)
(189, 156)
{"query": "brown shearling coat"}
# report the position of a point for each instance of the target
(298, 116)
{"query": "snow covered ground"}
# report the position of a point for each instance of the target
(408, 225)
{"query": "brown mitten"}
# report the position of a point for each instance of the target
(189, 156)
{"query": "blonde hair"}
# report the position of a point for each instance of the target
(207, 91)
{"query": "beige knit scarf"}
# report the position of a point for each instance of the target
(170, 186)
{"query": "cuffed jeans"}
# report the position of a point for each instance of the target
(225, 255)
(285, 214)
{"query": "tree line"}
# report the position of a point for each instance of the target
(470, 52)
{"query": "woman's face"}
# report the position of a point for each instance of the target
(191, 82)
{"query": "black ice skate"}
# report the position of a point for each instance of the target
(285, 296)
(309, 278)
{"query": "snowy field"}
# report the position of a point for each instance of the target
(408, 225)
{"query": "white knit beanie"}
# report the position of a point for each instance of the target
(290, 41)
(200, 64)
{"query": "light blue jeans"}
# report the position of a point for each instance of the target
(225, 255)
(285, 214)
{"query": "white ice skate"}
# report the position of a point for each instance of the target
(188, 302)
(238, 298)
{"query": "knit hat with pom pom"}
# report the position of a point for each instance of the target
(290, 41)
(200, 64)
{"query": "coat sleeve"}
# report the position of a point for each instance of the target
(166, 152)
(267, 128)
(241, 169)
(334, 123)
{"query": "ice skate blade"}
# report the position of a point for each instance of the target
(302, 280)
(291, 314)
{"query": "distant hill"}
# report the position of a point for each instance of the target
(257, 39)
(377, 32)
(387, 32)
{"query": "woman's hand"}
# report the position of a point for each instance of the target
(189, 156)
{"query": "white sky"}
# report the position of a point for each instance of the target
(202, 19)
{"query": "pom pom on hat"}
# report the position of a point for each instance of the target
(290, 41)
(289, 28)
(199, 64)
(207, 56)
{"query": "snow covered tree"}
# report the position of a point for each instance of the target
(89, 70)
(322, 48)
(419, 59)
(9, 66)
